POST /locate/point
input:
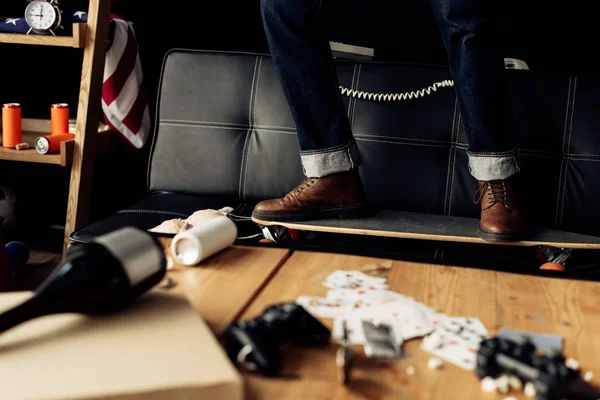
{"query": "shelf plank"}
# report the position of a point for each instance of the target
(76, 41)
(32, 128)
(29, 155)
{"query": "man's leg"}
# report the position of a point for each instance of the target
(302, 58)
(477, 67)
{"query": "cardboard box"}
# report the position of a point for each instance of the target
(160, 348)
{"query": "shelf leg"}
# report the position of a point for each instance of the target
(88, 115)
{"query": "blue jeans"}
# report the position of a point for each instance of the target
(299, 47)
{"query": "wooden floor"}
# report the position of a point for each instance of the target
(241, 281)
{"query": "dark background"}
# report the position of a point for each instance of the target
(554, 39)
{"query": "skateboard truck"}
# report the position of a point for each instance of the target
(279, 234)
(555, 258)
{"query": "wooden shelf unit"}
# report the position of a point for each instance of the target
(92, 37)
(77, 40)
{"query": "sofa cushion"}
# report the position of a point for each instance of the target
(150, 212)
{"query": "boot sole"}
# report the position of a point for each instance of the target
(348, 212)
(500, 237)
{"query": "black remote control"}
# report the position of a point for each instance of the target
(254, 344)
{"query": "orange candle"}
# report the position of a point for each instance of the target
(11, 125)
(59, 119)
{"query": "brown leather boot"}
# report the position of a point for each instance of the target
(340, 195)
(500, 216)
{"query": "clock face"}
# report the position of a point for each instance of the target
(40, 15)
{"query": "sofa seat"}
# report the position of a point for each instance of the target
(149, 212)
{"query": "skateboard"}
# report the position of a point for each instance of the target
(554, 246)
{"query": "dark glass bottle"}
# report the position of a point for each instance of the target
(99, 277)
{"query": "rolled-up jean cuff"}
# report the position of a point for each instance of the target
(490, 167)
(320, 163)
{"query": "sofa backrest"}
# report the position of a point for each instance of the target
(224, 129)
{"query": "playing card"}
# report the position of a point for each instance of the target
(353, 280)
(408, 320)
(412, 319)
(365, 295)
(452, 350)
(326, 308)
(456, 339)
(471, 331)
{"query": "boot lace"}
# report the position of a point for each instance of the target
(305, 184)
(496, 192)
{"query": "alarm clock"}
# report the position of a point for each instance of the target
(43, 16)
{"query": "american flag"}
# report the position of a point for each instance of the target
(124, 102)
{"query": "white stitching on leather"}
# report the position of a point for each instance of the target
(161, 212)
(582, 155)
(457, 129)
(584, 159)
(350, 102)
(562, 205)
(233, 128)
(563, 161)
(192, 122)
(188, 121)
(244, 127)
(253, 116)
(253, 120)
(274, 131)
(240, 186)
(354, 103)
(402, 138)
(407, 144)
(451, 151)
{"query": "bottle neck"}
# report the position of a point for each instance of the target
(29, 309)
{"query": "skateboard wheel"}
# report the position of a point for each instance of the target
(266, 241)
(552, 266)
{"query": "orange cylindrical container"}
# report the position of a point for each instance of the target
(51, 143)
(11, 125)
(59, 119)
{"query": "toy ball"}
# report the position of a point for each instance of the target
(18, 254)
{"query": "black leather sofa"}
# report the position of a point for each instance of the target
(225, 137)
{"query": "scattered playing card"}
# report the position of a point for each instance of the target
(341, 279)
(326, 308)
(357, 297)
(363, 296)
(411, 318)
(456, 339)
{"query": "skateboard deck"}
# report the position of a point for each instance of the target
(409, 225)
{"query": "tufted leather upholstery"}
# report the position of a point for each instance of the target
(224, 132)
